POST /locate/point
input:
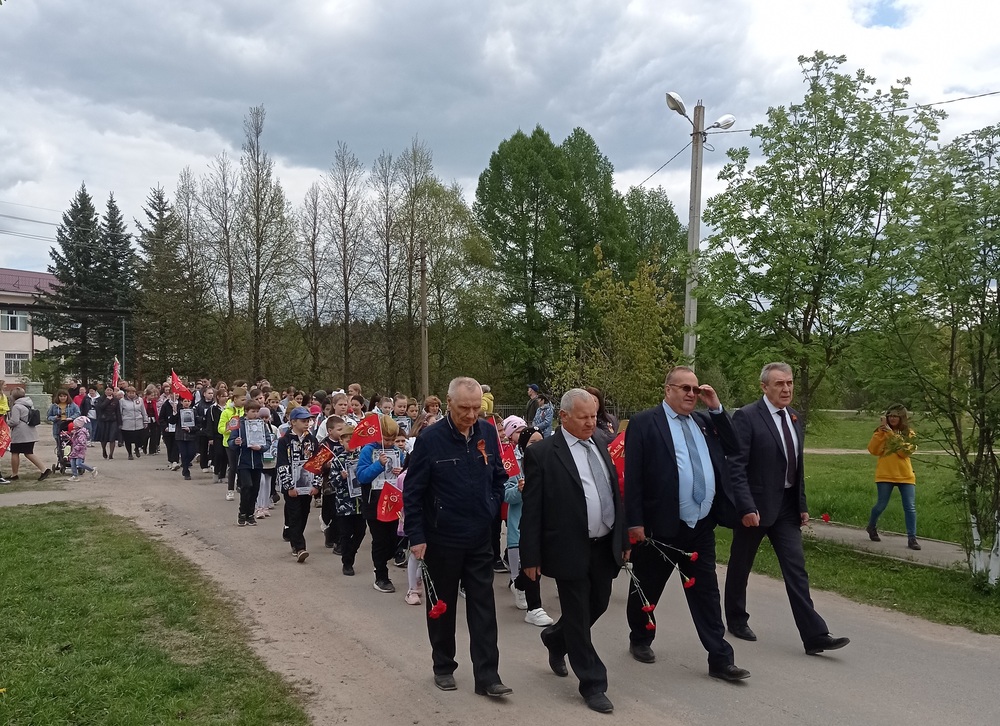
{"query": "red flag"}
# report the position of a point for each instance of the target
(390, 503)
(116, 369)
(616, 449)
(179, 388)
(317, 460)
(507, 455)
(4, 436)
(368, 431)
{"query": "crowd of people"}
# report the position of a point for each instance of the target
(563, 508)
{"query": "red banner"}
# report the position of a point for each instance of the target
(368, 431)
(179, 388)
(4, 436)
(116, 370)
(317, 460)
(616, 449)
(509, 460)
(390, 503)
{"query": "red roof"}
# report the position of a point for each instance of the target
(25, 282)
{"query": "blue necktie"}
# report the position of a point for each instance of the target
(697, 471)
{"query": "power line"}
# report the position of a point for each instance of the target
(663, 165)
(27, 219)
(29, 206)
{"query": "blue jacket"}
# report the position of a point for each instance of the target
(369, 468)
(72, 411)
(247, 457)
(543, 419)
(454, 485)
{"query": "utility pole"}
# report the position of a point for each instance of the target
(424, 352)
(694, 234)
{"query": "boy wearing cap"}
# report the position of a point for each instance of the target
(295, 448)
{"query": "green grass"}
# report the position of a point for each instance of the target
(844, 487)
(942, 596)
(31, 483)
(103, 626)
(840, 431)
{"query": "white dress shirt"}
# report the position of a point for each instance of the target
(595, 524)
(781, 436)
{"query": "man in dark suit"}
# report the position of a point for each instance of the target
(573, 530)
(676, 481)
(770, 496)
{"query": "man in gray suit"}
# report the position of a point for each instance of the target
(769, 489)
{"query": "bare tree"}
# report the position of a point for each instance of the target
(220, 190)
(389, 263)
(265, 231)
(344, 198)
(312, 291)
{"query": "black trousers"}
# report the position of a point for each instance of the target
(170, 442)
(185, 450)
(583, 601)
(383, 545)
(352, 534)
(703, 598)
(331, 521)
(495, 541)
(786, 538)
(220, 456)
(296, 516)
(249, 488)
(232, 457)
(133, 439)
(532, 590)
(152, 442)
(204, 457)
(473, 567)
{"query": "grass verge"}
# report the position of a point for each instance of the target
(53, 483)
(102, 625)
(843, 485)
(943, 596)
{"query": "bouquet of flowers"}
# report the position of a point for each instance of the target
(438, 607)
(896, 443)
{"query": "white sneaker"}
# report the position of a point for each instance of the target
(230, 496)
(93, 473)
(412, 597)
(74, 478)
(520, 599)
(205, 470)
(538, 617)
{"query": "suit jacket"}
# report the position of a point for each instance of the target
(758, 470)
(652, 498)
(554, 532)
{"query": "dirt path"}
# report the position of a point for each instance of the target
(362, 657)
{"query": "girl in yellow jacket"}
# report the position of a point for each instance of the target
(893, 442)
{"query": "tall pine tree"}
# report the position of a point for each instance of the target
(121, 264)
(82, 337)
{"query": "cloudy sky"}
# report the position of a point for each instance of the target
(123, 94)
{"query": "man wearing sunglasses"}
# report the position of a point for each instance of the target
(676, 491)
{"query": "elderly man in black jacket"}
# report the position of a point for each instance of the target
(454, 486)
(573, 530)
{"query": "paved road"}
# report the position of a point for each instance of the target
(933, 552)
(363, 658)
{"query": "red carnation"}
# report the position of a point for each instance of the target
(437, 610)
(648, 608)
(650, 626)
(694, 556)
(632, 539)
(689, 583)
(825, 517)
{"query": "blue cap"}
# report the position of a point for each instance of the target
(534, 387)
(299, 412)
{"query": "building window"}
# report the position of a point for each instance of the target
(15, 364)
(14, 320)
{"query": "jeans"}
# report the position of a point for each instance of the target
(908, 493)
(77, 467)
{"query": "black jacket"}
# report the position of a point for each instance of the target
(454, 486)
(651, 496)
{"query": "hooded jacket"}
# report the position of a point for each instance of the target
(17, 419)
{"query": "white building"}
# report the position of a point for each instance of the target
(18, 341)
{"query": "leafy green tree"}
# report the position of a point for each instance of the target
(517, 207)
(943, 319)
(79, 314)
(656, 235)
(801, 246)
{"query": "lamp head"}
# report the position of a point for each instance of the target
(676, 103)
(724, 122)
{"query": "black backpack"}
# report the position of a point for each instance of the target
(34, 417)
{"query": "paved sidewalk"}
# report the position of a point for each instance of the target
(934, 553)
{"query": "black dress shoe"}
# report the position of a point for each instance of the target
(729, 673)
(743, 632)
(600, 703)
(642, 653)
(494, 690)
(348, 570)
(445, 682)
(557, 661)
(824, 642)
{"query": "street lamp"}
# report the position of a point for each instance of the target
(698, 137)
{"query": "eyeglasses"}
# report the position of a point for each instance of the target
(687, 388)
